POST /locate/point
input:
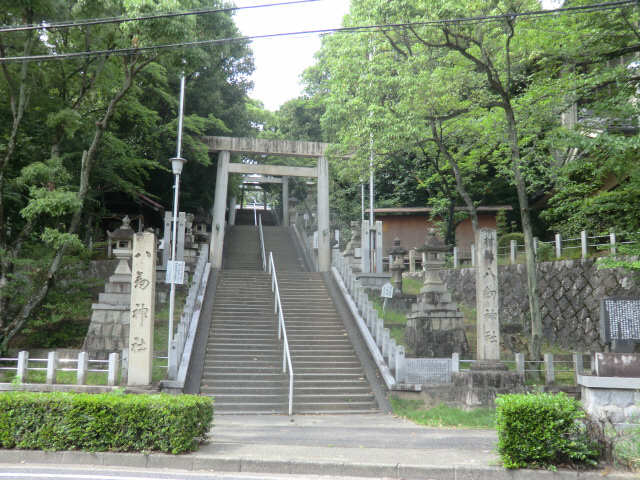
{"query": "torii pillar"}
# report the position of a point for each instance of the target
(219, 206)
(324, 251)
(285, 201)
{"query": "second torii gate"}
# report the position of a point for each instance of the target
(287, 148)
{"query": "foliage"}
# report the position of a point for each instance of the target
(84, 138)
(104, 422)
(541, 430)
(443, 415)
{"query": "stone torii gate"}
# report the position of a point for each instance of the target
(287, 148)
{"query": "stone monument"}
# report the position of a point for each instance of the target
(488, 376)
(435, 326)
(143, 286)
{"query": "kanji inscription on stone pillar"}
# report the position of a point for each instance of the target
(143, 288)
(487, 295)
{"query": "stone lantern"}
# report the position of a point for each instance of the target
(200, 227)
(352, 250)
(435, 326)
(397, 253)
(120, 245)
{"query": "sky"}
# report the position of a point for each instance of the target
(279, 62)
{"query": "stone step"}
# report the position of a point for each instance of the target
(250, 377)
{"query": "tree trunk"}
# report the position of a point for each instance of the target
(458, 176)
(535, 347)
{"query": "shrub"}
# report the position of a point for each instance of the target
(104, 422)
(542, 430)
(505, 240)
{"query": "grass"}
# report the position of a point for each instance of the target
(443, 415)
(627, 450)
(411, 286)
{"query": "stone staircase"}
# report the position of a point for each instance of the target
(328, 374)
(243, 363)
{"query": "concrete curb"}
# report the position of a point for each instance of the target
(197, 462)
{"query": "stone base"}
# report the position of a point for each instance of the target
(436, 343)
(616, 399)
(479, 387)
(401, 303)
(373, 281)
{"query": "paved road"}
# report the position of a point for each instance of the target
(364, 439)
(97, 473)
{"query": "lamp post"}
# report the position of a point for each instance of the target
(176, 167)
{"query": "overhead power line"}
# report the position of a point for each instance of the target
(354, 29)
(102, 21)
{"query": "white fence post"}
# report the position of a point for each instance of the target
(401, 371)
(612, 241)
(455, 257)
(535, 245)
(473, 254)
(558, 245)
(52, 366)
(412, 260)
(112, 375)
(455, 362)
(583, 243)
(520, 363)
(23, 364)
(83, 366)
(578, 364)
(514, 250)
(549, 372)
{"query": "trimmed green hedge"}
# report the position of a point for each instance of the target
(105, 422)
(542, 430)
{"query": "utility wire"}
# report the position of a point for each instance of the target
(101, 21)
(354, 29)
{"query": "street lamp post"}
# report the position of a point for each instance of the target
(176, 167)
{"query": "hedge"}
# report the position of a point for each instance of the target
(542, 430)
(105, 422)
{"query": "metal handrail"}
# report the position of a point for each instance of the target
(282, 330)
(255, 215)
(261, 235)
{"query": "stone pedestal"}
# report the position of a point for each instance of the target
(435, 325)
(109, 326)
(479, 386)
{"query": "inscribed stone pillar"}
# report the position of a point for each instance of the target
(219, 207)
(488, 327)
(143, 287)
(324, 235)
(379, 254)
(365, 251)
(166, 252)
(412, 260)
(182, 226)
(285, 201)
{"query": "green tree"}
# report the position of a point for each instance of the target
(109, 121)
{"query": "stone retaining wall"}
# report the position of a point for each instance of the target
(570, 293)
